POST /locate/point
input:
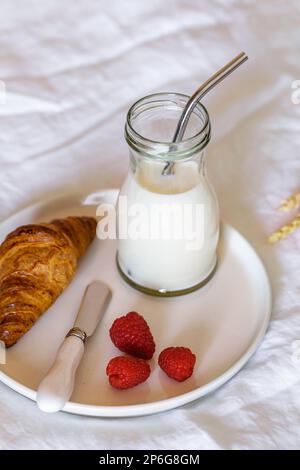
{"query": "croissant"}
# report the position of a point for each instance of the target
(37, 262)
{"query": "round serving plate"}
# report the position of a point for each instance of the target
(222, 323)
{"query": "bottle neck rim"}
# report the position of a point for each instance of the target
(166, 150)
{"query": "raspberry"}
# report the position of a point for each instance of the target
(126, 372)
(132, 335)
(178, 363)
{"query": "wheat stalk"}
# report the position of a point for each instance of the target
(284, 231)
(291, 202)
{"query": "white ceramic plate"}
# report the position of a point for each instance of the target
(223, 323)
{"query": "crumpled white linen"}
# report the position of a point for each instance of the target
(71, 70)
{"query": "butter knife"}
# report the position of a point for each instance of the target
(56, 388)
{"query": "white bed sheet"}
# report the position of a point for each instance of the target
(71, 71)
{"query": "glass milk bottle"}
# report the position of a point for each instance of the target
(167, 212)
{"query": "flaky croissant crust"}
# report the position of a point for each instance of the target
(37, 262)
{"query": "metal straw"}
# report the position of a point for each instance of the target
(208, 85)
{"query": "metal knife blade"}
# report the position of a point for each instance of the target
(93, 306)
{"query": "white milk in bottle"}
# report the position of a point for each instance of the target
(168, 224)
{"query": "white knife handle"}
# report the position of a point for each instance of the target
(57, 387)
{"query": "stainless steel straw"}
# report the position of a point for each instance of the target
(208, 85)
